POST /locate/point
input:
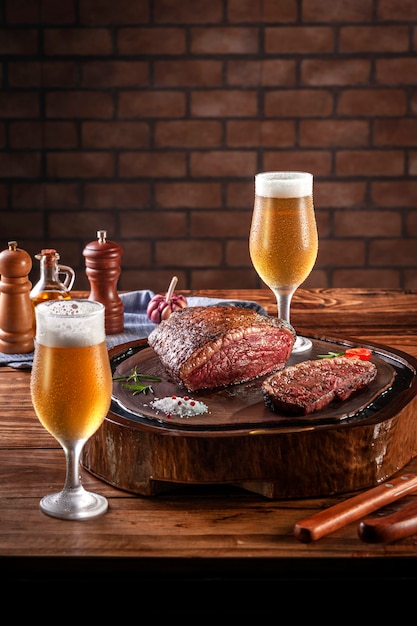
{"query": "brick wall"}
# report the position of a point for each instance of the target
(150, 118)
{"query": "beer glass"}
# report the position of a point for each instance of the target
(71, 386)
(283, 240)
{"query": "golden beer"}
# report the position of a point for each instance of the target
(283, 240)
(71, 386)
(71, 389)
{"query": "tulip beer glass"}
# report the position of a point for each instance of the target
(71, 386)
(283, 241)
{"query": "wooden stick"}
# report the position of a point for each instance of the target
(331, 519)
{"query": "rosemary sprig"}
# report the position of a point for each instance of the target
(330, 355)
(134, 381)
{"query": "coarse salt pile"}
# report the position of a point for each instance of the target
(182, 406)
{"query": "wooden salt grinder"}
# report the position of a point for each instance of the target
(16, 309)
(102, 259)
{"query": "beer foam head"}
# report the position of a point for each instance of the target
(70, 323)
(284, 184)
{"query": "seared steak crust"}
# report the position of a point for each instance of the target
(311, 385)
(215, 346)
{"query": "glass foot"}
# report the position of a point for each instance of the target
(302, 344)
(75, 505)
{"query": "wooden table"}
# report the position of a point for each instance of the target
(197, 537)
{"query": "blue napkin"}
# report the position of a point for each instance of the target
(137, 325)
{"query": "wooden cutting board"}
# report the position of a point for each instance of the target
(347, 446)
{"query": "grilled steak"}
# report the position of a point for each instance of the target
(311, 385)
(207, 347)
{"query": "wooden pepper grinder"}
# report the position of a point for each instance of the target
(16, 309)
(102, 259)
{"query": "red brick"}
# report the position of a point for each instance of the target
(133, 104)
(136, 254)
(394, 252)
(110, 12)
(298, 103)
(319, 162)
(337, 10)
(372, 223)
(224, 40)
(299, 39)
(49, 74)
(43, 135)
(77, 41)
(45, 195)
(226, 223)
(157, 224)
(221, 163)
(157, 280)
(372, 102)
(18, 41)
(411, 223)
(394, 193)
(324, 221)
(336, 133)
(253, 133)
(114, 73)
(203, 11)
(3, 196)
(79, 164)
(237, 253)
(188, 133)
(410, 279)
(16, 226)
(240, 195)
(116, 196)
(396, 71)
(268, 72)
(152, 164)
(395, 132)
(223, 103)
(188, 195)
(262, 11)
(20, 165)
(335, 71)
(365, 278)
(115, 134)
(333, 253)
(149, 41)
(2, 135)
(19, 104)
(370, 163)
(392, 10)
(186, 73)
(384, 39)
(50, 11)
(84, 224)
(211, 278)
(339, 194)
(189, 253)
(79, 104)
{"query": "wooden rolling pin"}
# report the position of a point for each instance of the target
(331, 519)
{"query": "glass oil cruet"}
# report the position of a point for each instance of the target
(49, 286)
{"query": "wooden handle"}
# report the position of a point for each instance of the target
(390, 527)
(331, 519)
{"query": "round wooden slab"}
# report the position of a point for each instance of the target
(347, 446)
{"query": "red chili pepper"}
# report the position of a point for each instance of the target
(361, 353)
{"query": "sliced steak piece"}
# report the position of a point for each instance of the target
(215, 346)
(311, 385)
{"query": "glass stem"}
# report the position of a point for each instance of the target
(284, 297)
(72, 456)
